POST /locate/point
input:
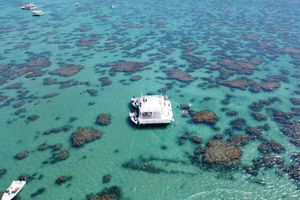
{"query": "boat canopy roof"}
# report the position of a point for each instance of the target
(151, 104)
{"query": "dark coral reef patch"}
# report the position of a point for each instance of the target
(62, 179)
(219, 153)
(67, 70)
(2, 172)
(111, 193)
(180, 76)
(126, 66)
(239, 66)
(205, 117)
(271, 146)
(84, 135)
(293, 131)
(103, 119)
(22, 155)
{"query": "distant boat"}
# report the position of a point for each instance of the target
(114, 6)
(37, 13)
(13, 189)
(152, 109)
(29, 6)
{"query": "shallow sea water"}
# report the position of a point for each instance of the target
(92, 34)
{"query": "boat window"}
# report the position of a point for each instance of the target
(156, 115)
(146, 115)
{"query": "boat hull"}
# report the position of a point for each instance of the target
(37, 13)
(155, 122)
(13, 190)
(133, 117)
(139, 121)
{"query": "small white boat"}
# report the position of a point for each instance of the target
(152, 109)
(185, 112)
(29, 6)
(37, 13)
(114, 6)
(13, 190)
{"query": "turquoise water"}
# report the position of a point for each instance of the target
(159, 32)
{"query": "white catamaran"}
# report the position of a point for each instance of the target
(13, 189)
(29, 6)
(38, 13)
(152, 109)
